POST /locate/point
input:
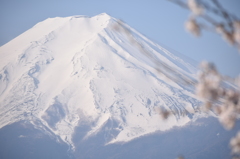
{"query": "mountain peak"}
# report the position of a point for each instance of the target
(65, 72)
(102, 16)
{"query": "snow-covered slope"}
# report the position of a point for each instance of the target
(65, 72)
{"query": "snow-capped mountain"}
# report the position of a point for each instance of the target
(67, 72)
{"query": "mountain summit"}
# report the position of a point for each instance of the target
(64, 73)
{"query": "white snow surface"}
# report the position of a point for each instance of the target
(73, 70)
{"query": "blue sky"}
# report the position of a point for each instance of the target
(159, 20)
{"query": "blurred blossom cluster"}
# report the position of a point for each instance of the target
(219, 95)
(222, 96)
(235, 145)
(211, 15)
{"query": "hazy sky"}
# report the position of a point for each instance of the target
(159, 20)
